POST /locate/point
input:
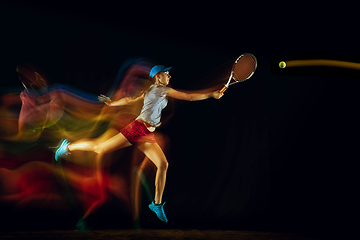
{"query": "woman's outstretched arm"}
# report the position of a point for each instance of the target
(193, 96)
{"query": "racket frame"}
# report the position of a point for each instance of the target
(232, 73)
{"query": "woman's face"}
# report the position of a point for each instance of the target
(164, 78)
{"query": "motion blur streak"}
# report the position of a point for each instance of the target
(322, 62)
(33, 121)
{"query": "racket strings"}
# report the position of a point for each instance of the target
(244, 67)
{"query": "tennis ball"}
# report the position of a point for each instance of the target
(282, 64)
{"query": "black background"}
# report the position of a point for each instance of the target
(277, 152)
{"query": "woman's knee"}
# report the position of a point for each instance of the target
(98, 149)
(163, 165)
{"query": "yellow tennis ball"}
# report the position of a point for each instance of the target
(282, 64)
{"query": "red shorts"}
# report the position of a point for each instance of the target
(137, 132)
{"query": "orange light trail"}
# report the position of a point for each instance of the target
(322, 62)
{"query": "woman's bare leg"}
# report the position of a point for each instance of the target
(82, 145)
(157, 156)
(111, 140)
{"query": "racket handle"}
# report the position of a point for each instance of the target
(223, 89)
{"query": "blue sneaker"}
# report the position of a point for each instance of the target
(62, 150)
(159, 210)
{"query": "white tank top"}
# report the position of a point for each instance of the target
(154, 102)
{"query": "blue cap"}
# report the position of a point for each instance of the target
(158, 68)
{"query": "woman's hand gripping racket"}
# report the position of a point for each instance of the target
(243, 68)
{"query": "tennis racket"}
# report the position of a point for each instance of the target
(243, 68)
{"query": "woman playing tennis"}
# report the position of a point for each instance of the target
(140, 132)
